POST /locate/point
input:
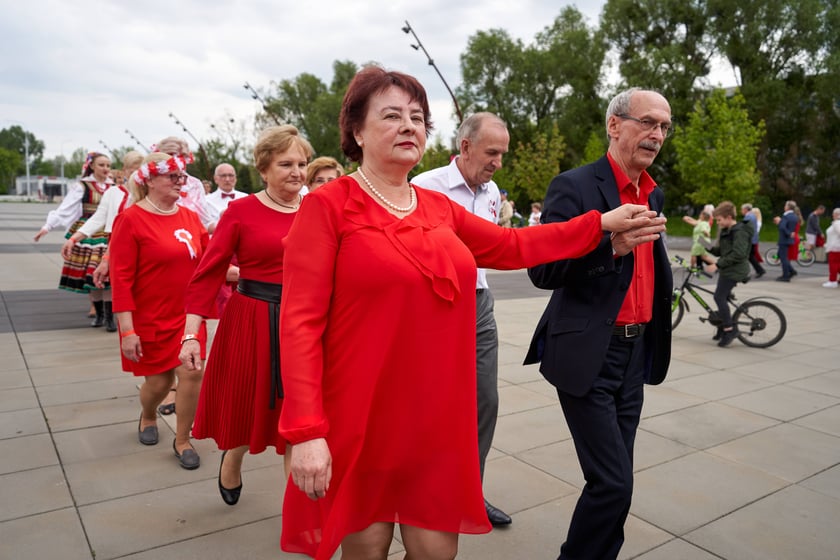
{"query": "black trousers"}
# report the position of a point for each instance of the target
(603, 424)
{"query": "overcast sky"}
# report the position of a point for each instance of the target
(77, 73)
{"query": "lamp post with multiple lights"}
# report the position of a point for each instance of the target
(419, 46)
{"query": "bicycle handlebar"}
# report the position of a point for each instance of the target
(692, 270)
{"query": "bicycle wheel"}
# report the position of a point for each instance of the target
(760, 324)
(771, 256)
(806, 257)
(677, 313)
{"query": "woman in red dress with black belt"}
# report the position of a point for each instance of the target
(155, 247)
(241, 394)
(377, 336)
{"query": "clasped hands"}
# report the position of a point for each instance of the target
(631, 225)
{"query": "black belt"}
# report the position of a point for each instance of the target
(270, 293)
(480, 291)
(629, 331)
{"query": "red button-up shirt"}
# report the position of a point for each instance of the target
(638, 303)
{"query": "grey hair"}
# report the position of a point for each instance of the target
(746, 207)
(173, 145)
(835, 213)
(470, 127)
(619, 105)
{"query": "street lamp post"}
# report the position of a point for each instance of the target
(26, 157)
(138, 142)
(255, 95)
(419, 46)
(205, 162)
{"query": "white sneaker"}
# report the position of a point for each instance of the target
(829, 285)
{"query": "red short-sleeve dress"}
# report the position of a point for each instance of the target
(153, 257)
(237, 405)
(377, 335)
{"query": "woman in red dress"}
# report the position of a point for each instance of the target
(156, 246)
(241, 394)
(377, 336)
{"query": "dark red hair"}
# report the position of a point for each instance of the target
(370, 81)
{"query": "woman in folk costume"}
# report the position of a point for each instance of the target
(78, 205)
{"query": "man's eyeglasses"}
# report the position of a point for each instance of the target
(177, 178)
(649, 124)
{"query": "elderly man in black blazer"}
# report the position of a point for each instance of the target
(607, 328)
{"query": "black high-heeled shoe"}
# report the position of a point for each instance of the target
(229, 495)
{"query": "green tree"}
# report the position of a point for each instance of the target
(14, 138)
(717, 151)
(534, 164)
(10, 162)
(313, 107)
(437, 154)
(553, 81)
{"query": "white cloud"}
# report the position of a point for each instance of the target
(77, 73)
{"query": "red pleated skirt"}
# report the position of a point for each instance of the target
(233, 407)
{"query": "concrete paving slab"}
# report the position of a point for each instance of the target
(693, 490)
(706, 425)
(18, 399)
(22, 423)
(533, 487)
(27, 452)
(787, 451)
(678, 549)
(782, 402)
(827, 421)
(55, 535)
(826, 482)
(154, 519)
(530, 429)
(14, 378)
(793, 523)
(33, 491)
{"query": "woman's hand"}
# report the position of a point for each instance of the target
(311, 467)
(631, 225)
(232, 274)
(100, 274)
(66, 249)
(131, 347)
(40, 234)
(631, 216)
(190, 355)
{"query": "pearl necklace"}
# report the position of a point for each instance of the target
(388, 203)
(165, 212)
(292, 207)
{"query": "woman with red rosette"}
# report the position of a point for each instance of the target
(156, 246)
(242, 393)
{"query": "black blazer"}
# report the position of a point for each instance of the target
(574, 332)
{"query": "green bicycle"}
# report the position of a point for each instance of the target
(760, 324)
(805, 256)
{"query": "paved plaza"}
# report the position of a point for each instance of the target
(737, 456)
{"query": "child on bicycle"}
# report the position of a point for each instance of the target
(733, 249)
(700, 239)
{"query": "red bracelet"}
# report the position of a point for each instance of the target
(106, 257)
(129, 332)
(188, 337)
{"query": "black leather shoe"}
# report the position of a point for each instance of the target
(759, 274)
(793, 272)
(189, 458)
(782, 279)
(147, 435)
(497, 517)
(229, 495)
(108, 317)
(99, 319)
(718, 334)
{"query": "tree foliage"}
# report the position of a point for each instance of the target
(313, 107)
(717, 151)
(533, 166)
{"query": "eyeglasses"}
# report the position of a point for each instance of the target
(226, 175)
(649, 124)
(177, 178)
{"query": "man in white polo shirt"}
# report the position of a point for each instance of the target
(482, 139)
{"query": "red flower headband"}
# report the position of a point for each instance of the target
(154, 168)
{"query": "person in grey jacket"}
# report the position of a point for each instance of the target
(733, 249)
